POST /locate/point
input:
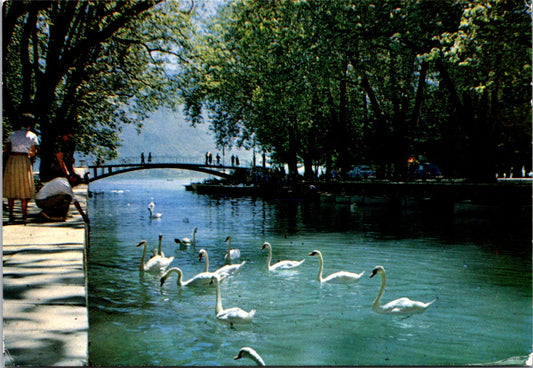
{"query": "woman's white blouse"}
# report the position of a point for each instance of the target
(22, 140)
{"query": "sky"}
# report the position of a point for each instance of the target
(166, 134)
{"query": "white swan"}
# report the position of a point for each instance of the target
(202, 279)
(232, 253)
(151, 207)
(341, 277)
(156, 263)
(230, 315)
(247, 352)
(281, 265)
(186, 241)
(404, 306)
(226, 270)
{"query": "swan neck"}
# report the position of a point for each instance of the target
(141, 267)
(320, 267)
(180, 276)
(256, 358)
(376, 306)
(206, 261)
(218, 308)
(269, 257)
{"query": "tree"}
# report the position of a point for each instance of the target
(334, 83)
(91, 66)
(485, 66)
(259, 78)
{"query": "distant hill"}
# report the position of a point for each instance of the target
(167, 134)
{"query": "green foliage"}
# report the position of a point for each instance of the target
(342, 82)
(332, 83)
(92, 66)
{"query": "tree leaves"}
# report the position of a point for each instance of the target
(337, 83)
(93, 65)
(332, 83)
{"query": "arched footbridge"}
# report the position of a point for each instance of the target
(101, 171)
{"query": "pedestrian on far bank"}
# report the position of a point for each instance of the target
(236, 160)
(218, 159)
(232, 160)
(149, 157)
(18, 174)
(142, 158)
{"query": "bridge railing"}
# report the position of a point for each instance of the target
(154, 160)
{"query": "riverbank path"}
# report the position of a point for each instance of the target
(44, 309)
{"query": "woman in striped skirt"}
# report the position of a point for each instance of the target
(18, 174)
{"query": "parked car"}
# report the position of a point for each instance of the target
(360, 172)
(425, 170)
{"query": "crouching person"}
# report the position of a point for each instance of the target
(55, 197)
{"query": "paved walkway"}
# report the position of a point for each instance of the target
(45, 317)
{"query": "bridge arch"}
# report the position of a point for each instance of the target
(112, 170)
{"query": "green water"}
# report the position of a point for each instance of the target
(478, 267)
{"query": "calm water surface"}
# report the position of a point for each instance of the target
(480, 270)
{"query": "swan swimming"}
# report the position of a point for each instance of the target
(247, 352)
(202, 279)
(281, 265)
(186, 241)
(404, 306)
(157, 263)
(341, 277)
(226, 270)
(230, 315)
(151, 207)
(232, 253)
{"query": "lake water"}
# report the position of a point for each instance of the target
(479, 267)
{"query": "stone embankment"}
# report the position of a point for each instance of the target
(45, 315)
